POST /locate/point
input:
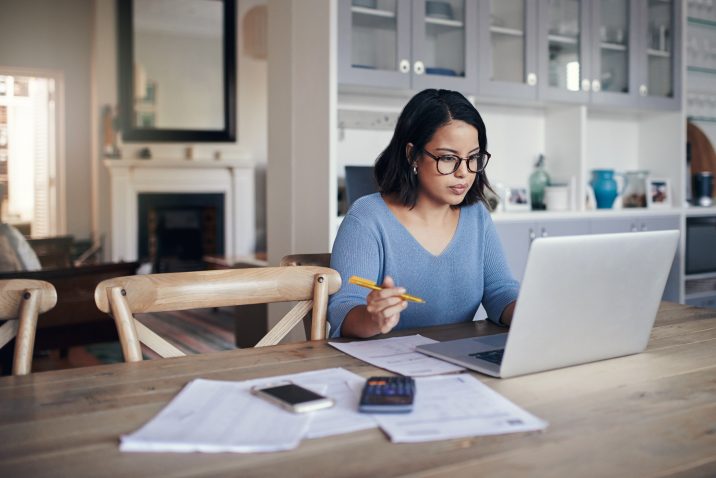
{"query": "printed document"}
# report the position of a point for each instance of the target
(456, 406)
(220, 416)
(398, 355)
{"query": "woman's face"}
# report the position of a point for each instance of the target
(455, 138)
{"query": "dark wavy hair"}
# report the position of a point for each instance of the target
(422, 116)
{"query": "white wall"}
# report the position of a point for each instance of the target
(46, 34)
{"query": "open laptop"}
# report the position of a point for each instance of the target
(583, 298)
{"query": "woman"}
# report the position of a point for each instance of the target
(427, 230)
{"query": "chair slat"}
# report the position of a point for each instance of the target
(286, 324)
(155, 342)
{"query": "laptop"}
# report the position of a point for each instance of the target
(583, 298)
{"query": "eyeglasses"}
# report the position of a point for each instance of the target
(449, 163)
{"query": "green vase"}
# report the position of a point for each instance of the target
(538, 180)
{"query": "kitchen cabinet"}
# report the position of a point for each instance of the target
(404, 44)
(507, 35)
(517, 236)
(611, 52)
(641, 224)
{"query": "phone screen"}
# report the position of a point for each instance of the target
(292, 393)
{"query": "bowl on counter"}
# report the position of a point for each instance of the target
(437, 9)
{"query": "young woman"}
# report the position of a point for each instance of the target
(427, 232)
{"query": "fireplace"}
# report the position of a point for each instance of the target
(177, 230)
(184, 181)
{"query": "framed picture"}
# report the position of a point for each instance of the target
(516, 198)
(658, 192)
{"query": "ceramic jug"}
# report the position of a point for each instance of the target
(605, 187)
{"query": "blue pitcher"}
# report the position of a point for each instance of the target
(605, 187)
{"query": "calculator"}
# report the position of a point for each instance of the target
(387, 395)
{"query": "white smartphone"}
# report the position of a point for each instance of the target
(292, 397)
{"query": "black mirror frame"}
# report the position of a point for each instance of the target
(125, 30)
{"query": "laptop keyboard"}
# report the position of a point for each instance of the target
(492, 356)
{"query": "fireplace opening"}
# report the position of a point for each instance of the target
(177, 230)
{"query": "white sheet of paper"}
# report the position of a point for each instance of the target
(456, 406)
(398, 355)
(220, 416)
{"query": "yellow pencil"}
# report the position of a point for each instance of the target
(372, 285)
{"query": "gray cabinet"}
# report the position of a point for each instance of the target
(507, 33)
(404, 44)
(516, 237)
(646, 223)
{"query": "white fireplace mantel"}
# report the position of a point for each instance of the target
(233, 178)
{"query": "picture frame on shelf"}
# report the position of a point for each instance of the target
(658, 193)
(516, 198)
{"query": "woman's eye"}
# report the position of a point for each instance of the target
(448, 159)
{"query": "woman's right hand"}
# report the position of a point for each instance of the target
(384, 306)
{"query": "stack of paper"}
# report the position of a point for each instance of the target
(217, 416)
(398, 355)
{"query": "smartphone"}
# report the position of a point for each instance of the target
(292, 397)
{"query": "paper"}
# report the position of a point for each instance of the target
(219, 416)
(456, 406)
(398, 355)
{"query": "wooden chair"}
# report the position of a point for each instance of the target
(320, 260)
(21, 300)
(124, 296)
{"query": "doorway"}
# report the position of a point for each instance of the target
(29, 146)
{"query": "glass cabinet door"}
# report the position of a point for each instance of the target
(374, 42)
(508, 35)
(444, 34)
(661, 81)
(613, 59)
(564, 50)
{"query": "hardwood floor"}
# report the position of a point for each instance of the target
(195, 331)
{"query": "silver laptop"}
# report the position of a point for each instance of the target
(583, 298)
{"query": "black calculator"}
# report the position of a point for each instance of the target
(387, 395)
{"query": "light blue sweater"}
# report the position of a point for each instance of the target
(372, 243)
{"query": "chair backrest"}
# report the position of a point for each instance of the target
(123, 296)
(21, 300)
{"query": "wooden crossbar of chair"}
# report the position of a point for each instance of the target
(124, 296)
(21, 301)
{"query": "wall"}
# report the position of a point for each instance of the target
(46, 34)
(252, 115)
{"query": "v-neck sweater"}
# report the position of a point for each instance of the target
(472, 269)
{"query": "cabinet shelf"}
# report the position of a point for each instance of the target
(507, 31)
(373, 12)
(562, 39)
(702, 22)
(658, 53)
(702, 119)
(613, 46)
(701, 69)
(444, 22)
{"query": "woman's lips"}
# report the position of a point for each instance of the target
(459, 188)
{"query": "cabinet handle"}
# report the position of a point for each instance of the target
(544, 233)
(643, 90)
(531, 79)
(586, 85)
(419, 67)
(533, 236)
(633, 227)
(404, 66)
(596, 85)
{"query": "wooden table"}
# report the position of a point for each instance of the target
(652, 414)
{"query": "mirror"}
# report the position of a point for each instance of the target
(177, 70)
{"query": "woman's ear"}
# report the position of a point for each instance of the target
(409, 152)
